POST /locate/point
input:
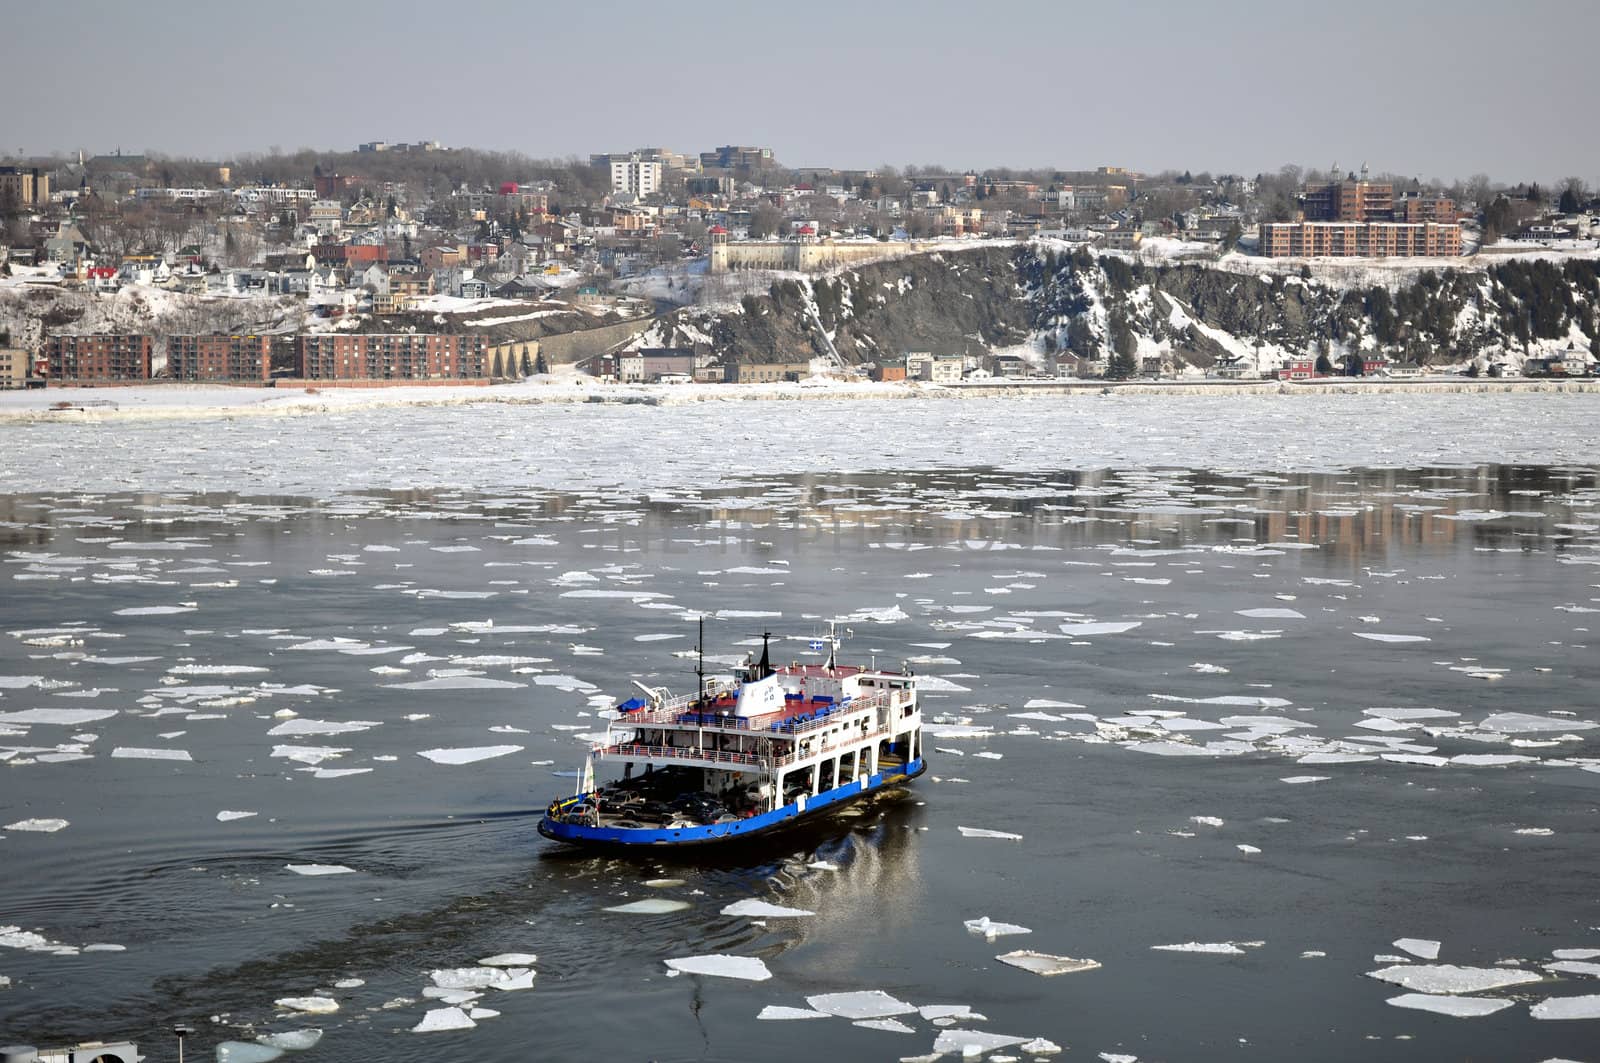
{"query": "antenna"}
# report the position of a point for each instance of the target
(700, 665)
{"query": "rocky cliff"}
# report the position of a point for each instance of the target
(1041, 300)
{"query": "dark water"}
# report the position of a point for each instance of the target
(1493, 566)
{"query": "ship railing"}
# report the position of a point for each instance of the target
(680, 711)
(640, 751)
(849, 740)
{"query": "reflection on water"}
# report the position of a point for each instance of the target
(1357, 515)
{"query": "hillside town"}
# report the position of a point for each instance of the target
(416, 263)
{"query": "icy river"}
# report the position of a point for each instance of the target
(1283, 711)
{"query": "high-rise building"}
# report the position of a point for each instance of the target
(393, 356)
(1353, 198)
(219, 356)
(1341, 239)
(101, 357)
(635, 174)
(26, 186)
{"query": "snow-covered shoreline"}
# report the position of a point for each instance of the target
(196, 401)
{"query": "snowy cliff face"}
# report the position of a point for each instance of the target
(1041, 299)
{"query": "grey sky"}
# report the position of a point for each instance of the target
(1436, 89)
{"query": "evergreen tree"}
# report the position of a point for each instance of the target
(1122, 365)
(540, 366)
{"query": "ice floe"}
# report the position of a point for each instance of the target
(775, 1012)
(39, 826)
(1448, 978)
(467, 755)
(1422, 948)
(320, 869)
(988, 929)
(980, 832)
(1460, 1007)
(864, 1004)
(1584, 1007)
(1043, 963)
(439, 1020)
(748, 968)
(138, 753)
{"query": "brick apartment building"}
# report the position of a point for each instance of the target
(99, 358)
(350, 254)
(399, 356)
(1378, 239)
(1354, 198)
(219, 356)
(1441, 209)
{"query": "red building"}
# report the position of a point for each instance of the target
(219, 356)
(351, 254)
(332, 185)
(98, 359)
(1299, 369)
(396, 356)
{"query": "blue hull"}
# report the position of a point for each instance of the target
(754, 827)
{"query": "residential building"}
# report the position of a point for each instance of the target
(100, 357)
(647, 365)
(404, 356)
(764, 372)
(888, 371)
(443, 256)
(935, 368)
(1354, 198)
(1299, 367)
(1441, 209)
(219, 356)
(326, 215)
(635, 175)
(1318, 239)
(16, 367)
(25, 186)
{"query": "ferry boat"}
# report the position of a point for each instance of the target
(738, 760)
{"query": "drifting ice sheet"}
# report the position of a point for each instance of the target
(1420, 947)
(1042, 963)
(1448, 978)
(980, 832)
(136, 753)
(988, 929)
(776, 1012)
(1585, 1007)
(444, 1019)
(40, 826)
(320, 869)
(650, 906)
(468, 755)
(1460, 1007)
(749, 968)
(867, 1004)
